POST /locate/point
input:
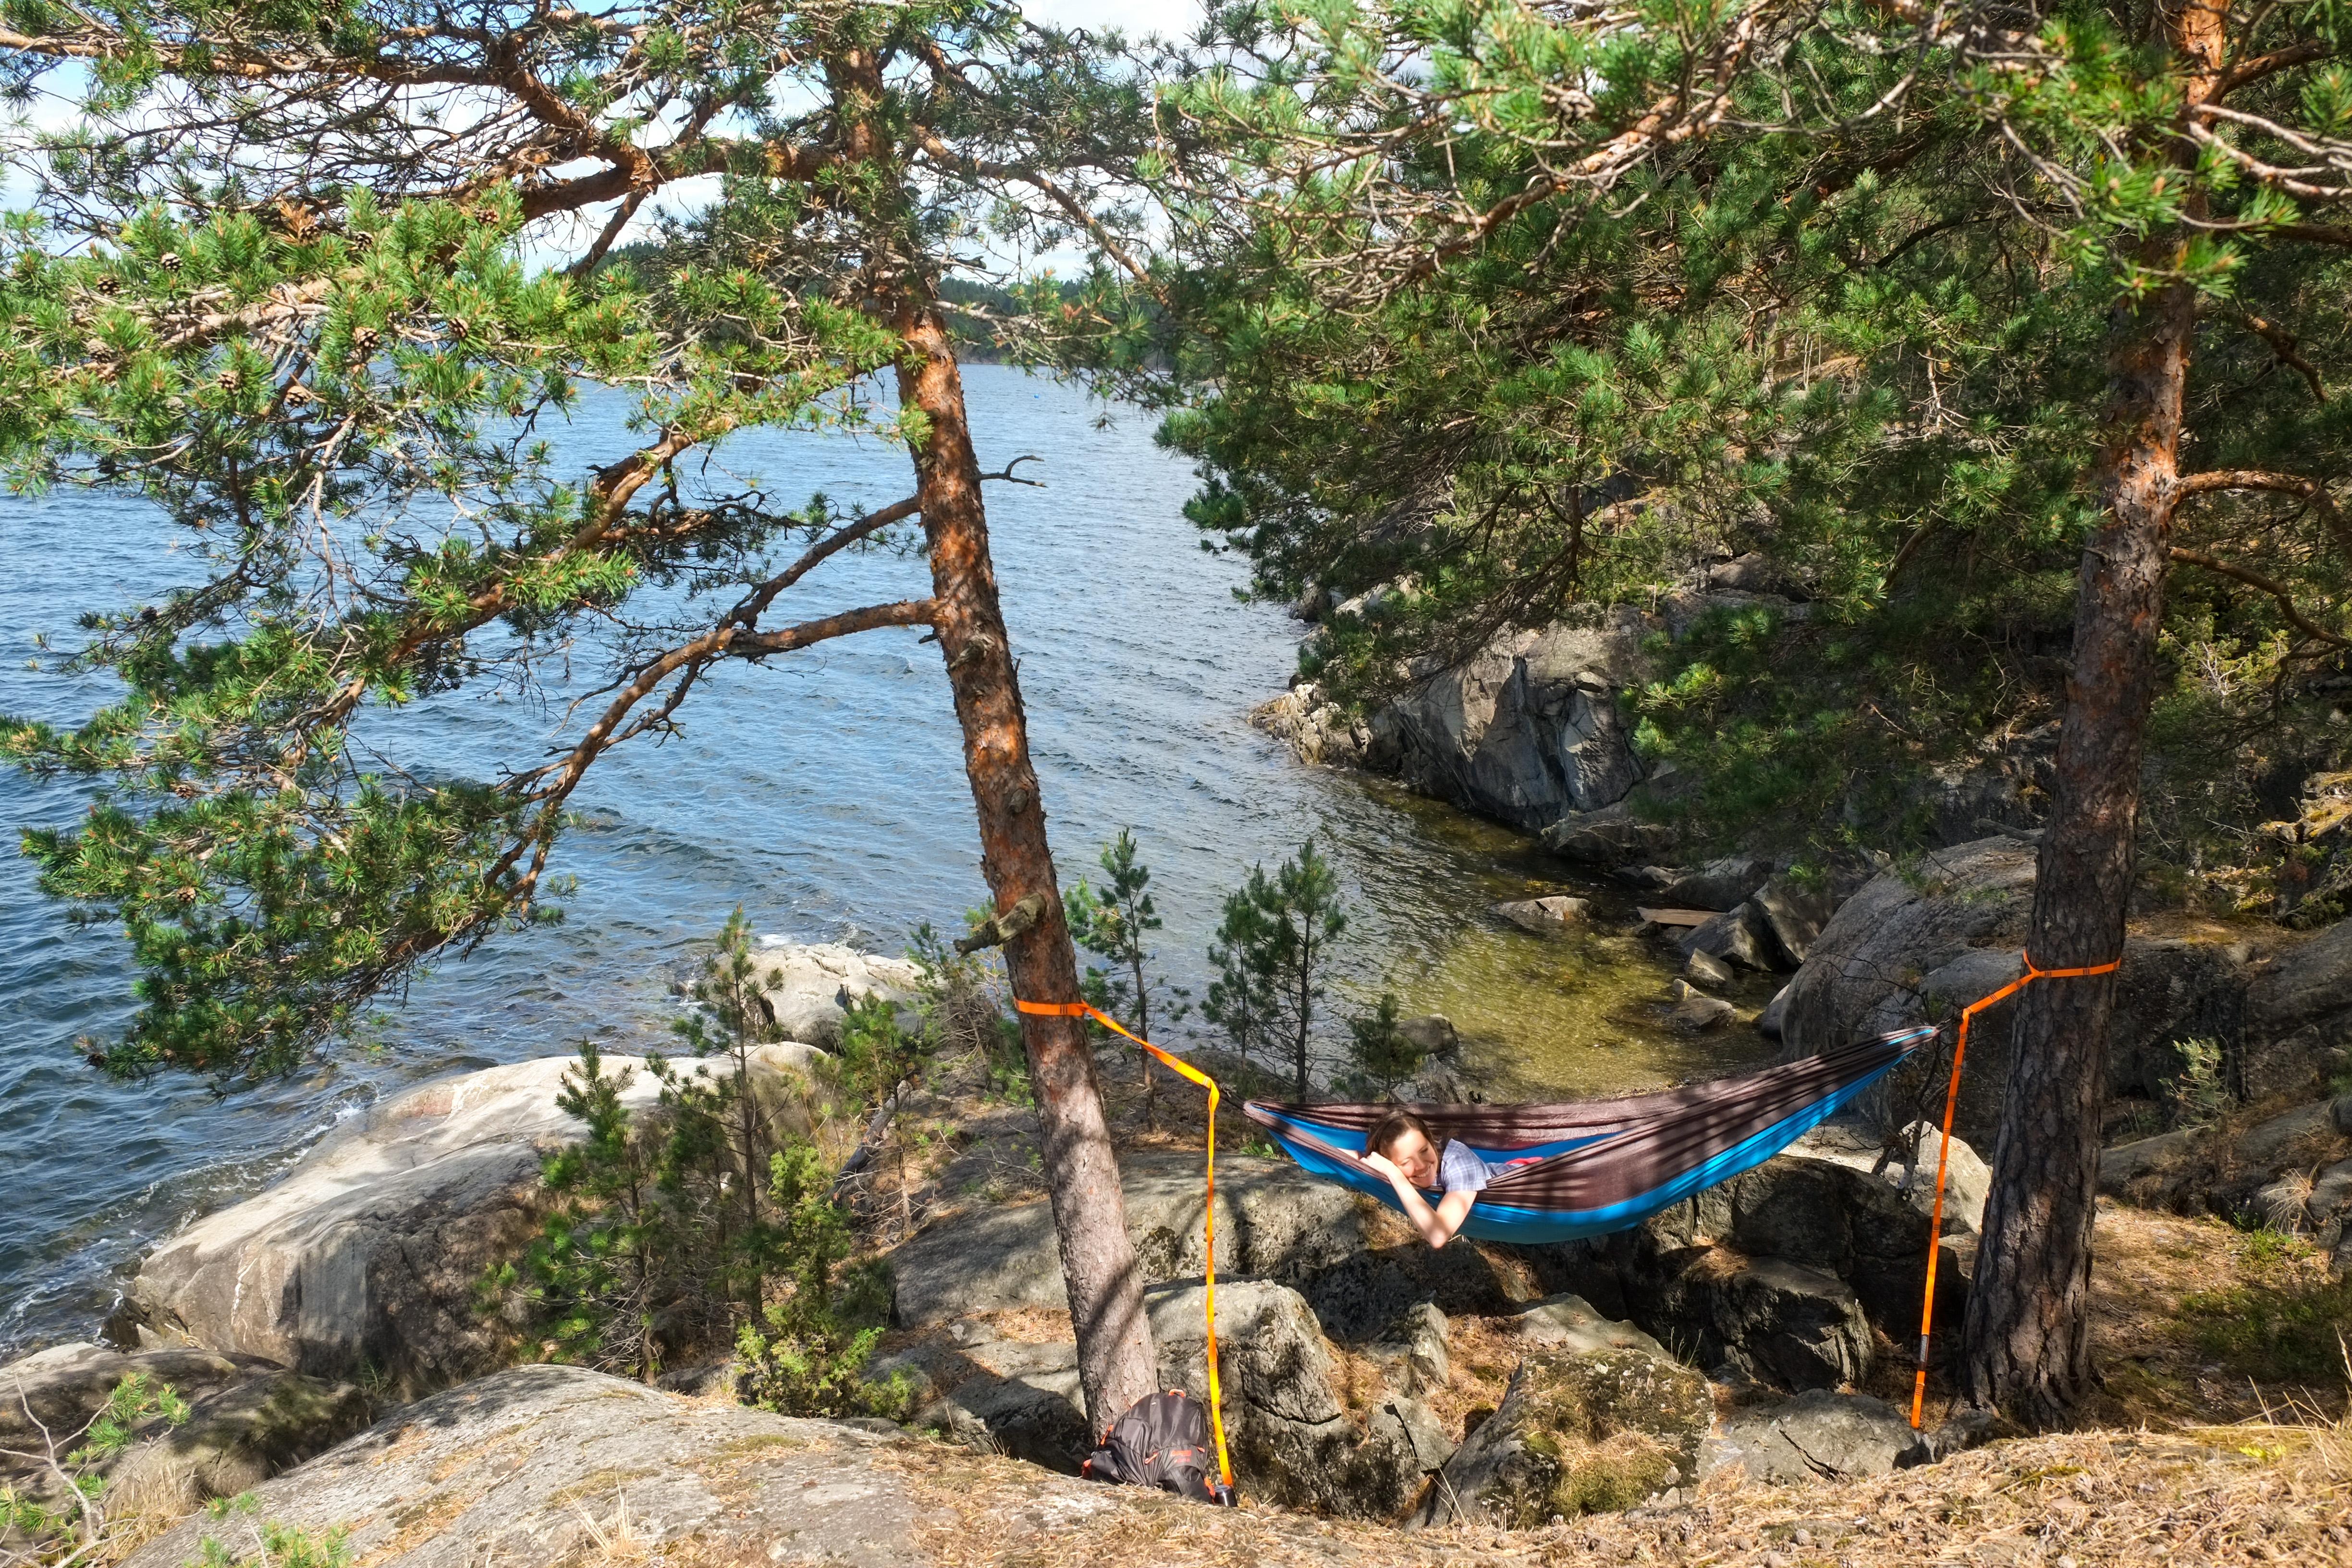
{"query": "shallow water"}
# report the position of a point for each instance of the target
(826, 796)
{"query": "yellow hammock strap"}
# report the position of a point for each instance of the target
(1943, 1157)
(1175, 1064)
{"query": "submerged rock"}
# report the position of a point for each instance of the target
(1545, 917)
(1579, 1431)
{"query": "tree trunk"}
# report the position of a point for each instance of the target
(2025, 1347)
(1116, 1364)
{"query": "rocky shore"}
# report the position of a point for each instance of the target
(1644, 1388)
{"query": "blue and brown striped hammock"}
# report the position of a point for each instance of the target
(1594, 1166)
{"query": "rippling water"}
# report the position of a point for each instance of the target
(826, 794)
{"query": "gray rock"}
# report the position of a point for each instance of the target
(997, 1394)
(1822, 1436)
(1781, 1272)
(1413, 1354)
(370, 1252)
(1696, 1011)
(1753, 572)
(1547, 916)
(1829, 1204)
(2299, 1018)
(1864, 973)
(1611, 836)
(807, 987)
(1794, 912)
(1578, 1432)
(1768, 1317)
(234, 1440)
(1525, 729)
(1771, 1022)
(1291, 1440)
(2128, 1170)
(1319, 732)
(1924, 943)
(2005, 785)
(1719, 885)
(2269, 1168)
(1705, 969)
(1439, 1082)
(1570, 1323)
(1354, 1260)
(1735, 936)
(63, 1387)
(2327, 1210)
(541, 1466)
(1273, 1220)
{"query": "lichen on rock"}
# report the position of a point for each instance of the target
(1579, 1431)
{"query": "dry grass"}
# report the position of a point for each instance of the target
(2215, 1499)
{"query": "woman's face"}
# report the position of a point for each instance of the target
(1413, 1156)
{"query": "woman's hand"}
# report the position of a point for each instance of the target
(1386, 1167)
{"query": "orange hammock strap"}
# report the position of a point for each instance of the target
(1209, 1225)
(1944, 1156)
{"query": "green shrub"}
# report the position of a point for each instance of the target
(67, 1520)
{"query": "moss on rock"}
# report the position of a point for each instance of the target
(1578, 1432)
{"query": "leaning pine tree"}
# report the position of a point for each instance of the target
(316, 278)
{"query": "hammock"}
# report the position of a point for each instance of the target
(1595, 1166)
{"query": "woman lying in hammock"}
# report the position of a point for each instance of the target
(1400, 1148)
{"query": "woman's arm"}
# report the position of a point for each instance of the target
(1437, 1226)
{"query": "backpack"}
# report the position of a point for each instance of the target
(1163, 1441)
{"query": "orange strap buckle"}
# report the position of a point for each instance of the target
(1943, 1157)
(1209, 1227)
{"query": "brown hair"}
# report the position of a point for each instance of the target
(1393, 1126)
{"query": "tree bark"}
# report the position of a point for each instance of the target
(1116, 1362)
(2025, 1346)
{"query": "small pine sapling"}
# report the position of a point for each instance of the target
(1241, 998)
(1115, 924)
(807, 1354)
(595, 1275)
(1381, 1055)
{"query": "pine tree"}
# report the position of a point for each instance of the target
(1272, 951)
(1381, 1054)
(1967, 315)
(1115, 924)
(315, 281)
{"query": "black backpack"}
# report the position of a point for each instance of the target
(1163, 1441)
